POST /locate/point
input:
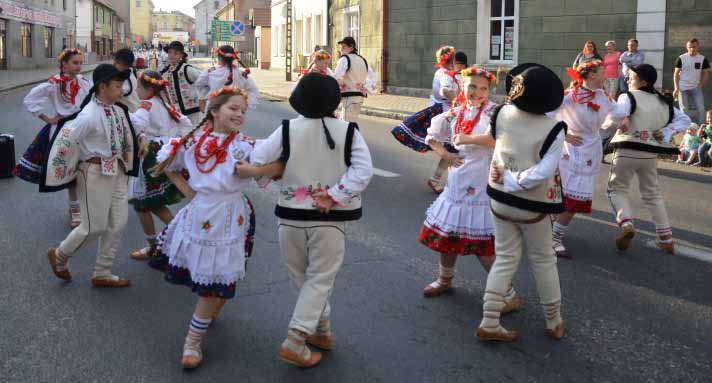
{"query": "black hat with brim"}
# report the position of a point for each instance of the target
(348, 41)
(646, 72)
(537, 89)
(108, 72)
(316, 96)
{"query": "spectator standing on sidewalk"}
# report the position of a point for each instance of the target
(612, 68)
(588, 53)
(628, 59)
(692, 70)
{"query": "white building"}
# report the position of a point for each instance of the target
(309, 28)
(204, 14)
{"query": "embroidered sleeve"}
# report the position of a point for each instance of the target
(38, 98)
(141, 118)
(341, 67)
(269, 149)
(439, 129)
(357, 176)
(253, 93)
(173, 146)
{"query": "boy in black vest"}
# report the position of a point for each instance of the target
(524, 188)
(327, 166)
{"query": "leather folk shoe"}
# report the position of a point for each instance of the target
(437, 288)
(61, 274)
(668, 247)
(512, 305)
(110, 282)
(322, 342)
(500, 335)
(292, 357)
(557, 332)
(623, 241)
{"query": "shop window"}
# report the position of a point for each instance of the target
(26, 39)
(48, 41)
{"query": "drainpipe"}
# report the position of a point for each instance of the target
(384, 50)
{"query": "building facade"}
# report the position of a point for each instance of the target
(205, 12)
(32, 33)
(100, 30)
(173, 21)
(500, 34)
(364, 21)
(247, 42)
(310, 26)
(140, 20)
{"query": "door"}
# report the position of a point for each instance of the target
(3, 42)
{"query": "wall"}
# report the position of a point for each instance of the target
(302, 10)
(140, 18)
(687, 19)
(416, 29)
(370, 42)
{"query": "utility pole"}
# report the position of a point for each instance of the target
(288, 54)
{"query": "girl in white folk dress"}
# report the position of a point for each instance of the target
(226, 73)
(209, 239)
(158, 121)
(459, 222)
(585, 108)
(63, 94)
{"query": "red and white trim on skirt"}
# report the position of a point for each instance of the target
(456, 244)
(577, 206)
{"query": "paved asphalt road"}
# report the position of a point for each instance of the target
(642, 316)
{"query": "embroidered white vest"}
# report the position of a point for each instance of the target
(354, 76)
(181, 92)
(312, 166)
(520, 137)
(650, 114)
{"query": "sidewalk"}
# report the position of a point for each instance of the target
(11, 80)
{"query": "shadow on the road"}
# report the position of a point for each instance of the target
(705, 178)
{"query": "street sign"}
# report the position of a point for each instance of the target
(228, 30)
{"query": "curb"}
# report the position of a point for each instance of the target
(370, 111)
(35, 82)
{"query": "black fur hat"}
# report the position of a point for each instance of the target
(534, 88)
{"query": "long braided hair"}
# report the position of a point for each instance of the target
(227, 55)
(217, 100)
(150, 79)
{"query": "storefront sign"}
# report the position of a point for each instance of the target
(21, 12)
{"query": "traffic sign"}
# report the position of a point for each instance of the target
(228, 30)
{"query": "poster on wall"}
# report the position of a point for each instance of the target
(509, 43)
(495, 50)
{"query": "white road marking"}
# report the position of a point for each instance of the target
(683, 248)
(385, 173)
(686, 251)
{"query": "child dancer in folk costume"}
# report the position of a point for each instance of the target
(226, 74)
(524, 189)
(584, 109)
(315, 203)
(209, 239)
(63, 94)
(158, 120)
(650, 122)
(413, 130)
(322, 59)
(124, 61)
(181, 77)
(459, 222)
(355, 77)
(98, 149)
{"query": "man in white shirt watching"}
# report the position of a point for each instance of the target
(692, 70)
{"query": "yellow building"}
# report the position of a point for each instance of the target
(141, 24)
(174, 21)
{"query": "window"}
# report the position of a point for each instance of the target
(317, 31)
(26, 39)
(217, 5)
(501, 34)
(48, 41)
(138, 3)
(351, 23)
(283, 40)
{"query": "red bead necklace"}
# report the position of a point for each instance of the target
(586, 97)
(468, 126)
(212, 149)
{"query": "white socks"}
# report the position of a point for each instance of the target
(558, 231)
(552, 312)
(62, 260)
(494, 303)
(296, 342)
(197, 329)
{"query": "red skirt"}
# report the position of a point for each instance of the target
(577, 206)
(455, 244)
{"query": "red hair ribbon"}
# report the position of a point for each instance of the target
(444, 59)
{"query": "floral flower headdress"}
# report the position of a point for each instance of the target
(475, 71)
(226, 90)
(68, 51)
(234, 55)
(322, 55)
(161, 83)
(583, 68)
(446, 53)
